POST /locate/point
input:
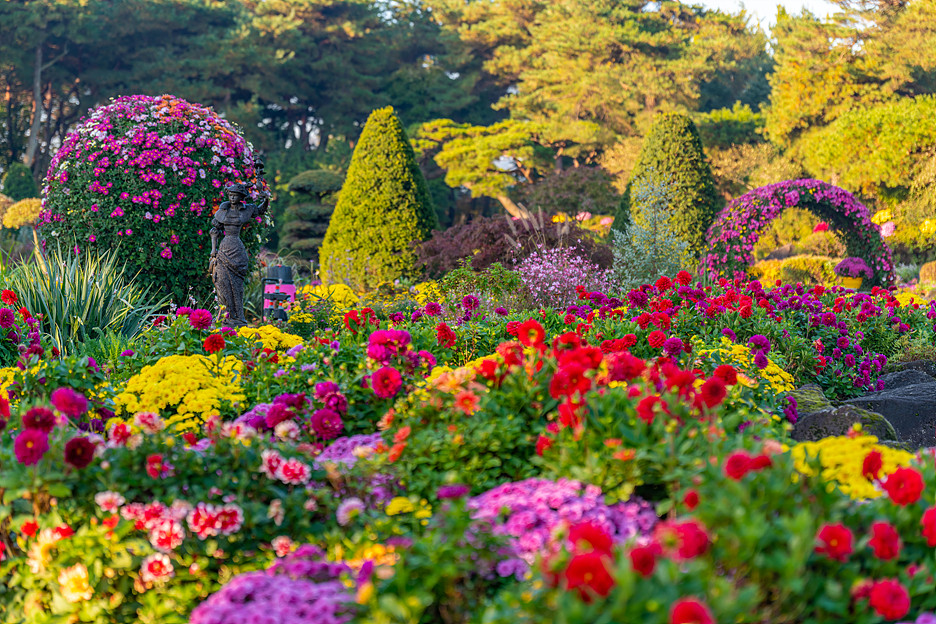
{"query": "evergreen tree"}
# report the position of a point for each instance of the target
(306, 221)
(18, 182)
(383, 208)
(672, 153)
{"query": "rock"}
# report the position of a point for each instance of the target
(809, 398)
(904, 378)
(838, 421)
(910, 409)
(926, 366)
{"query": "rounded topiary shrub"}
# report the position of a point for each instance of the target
(672, 155)
(18, 182)
(383, 208)
(144, 175)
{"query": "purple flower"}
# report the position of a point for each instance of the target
(127, 353)
(501, 311)
(432, 309)
(452, 491)
(7, 318)
(200, 319)
(71, 403)
(470, 302)
(728, 333)
(761, 343)
(348, 510)
(760, 360)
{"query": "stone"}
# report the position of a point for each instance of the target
(838, 421)
(926, 366)
(910, 409)
(809, 398)
(904, 378)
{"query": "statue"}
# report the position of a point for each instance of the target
(229, 260)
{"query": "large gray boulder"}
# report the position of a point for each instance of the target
(904, 378)
(911, 409)
(838, 421)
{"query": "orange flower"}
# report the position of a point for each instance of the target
(624, 454)
(466, 401)
(395, 451)
(402, 434)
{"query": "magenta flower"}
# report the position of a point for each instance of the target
(30, 445)
(7, 318)
(71, 403)
(200, 319)
(386, 382)
(326, 423)
(41, 418)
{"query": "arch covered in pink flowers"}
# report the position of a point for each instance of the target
(736, 230)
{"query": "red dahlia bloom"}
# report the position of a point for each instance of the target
(737, 465)
(872, 464)
(588, 536)
(727, 373)
(588, 574)
(40, 418)
(386, 382)
(834, 541)
(690, 611)
(682, 540)
(928, 522)
(643, 559)
(885, 541)
(9, 297)
(214, 343)
(656, 339)
(691, 499)
(890, 599)
(531, 333)
(445, 336)
(904, 486)
(713, 392)
(79, 452)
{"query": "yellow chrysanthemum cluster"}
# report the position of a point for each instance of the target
(23, 212)
(7, 376)
(882, 216)
(341, 295)
(741, 357)
(271, 337)
(191, 386)
(841, 458)
(426, 292)
(907, 297)
(928, 227)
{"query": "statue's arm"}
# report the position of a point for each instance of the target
(214, 233)
(263, 205)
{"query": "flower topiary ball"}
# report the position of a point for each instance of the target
(143, 175)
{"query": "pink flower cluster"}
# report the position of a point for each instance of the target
(290, 471)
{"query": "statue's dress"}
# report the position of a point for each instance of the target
(229, 270)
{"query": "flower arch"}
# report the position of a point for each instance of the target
(737, 228)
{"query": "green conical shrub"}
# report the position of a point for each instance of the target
(18, 182)
(672, 155)
(383, 208)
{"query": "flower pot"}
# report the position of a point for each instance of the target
(852, 282)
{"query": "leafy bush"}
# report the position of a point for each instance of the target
(383, 208)
(648, 248)
(795, 269)
(672, 152)
(504, 240)
(579, 189)
(150, 171)
(726, 127)
(18, 182)
(494, 287)
(84, 296)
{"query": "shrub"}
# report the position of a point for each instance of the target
(808, 270)
(306, 221)
(18, 182)
(383, 208)
(580, 189)
(552, 276)
(928, 272)
(672, 151)
(501, 239)
(149, 171)
(23, 212)
(647, 248)
(853, 267)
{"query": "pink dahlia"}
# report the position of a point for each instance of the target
(386, 382)
(69, 402)
(200, 319)
(30, 446)
(326, 423)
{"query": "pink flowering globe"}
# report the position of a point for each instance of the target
(144, 175)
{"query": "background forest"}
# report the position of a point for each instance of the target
(511, 104)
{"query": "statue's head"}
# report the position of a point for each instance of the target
(236, 192)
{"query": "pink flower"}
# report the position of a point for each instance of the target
(30, 446)
(294, 472)
(156, 569)
(271, 463)
(386, 382)
(282, 545)
(326, 423)
(230, 519)
(166, 253)
(109, 501)
(200, 319)
(202, 520)
(167, 535)
(69, 402)
(149, 422)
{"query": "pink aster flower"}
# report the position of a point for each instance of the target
(348, 510)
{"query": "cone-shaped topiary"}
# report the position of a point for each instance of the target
(18, 182)
(672, 155)
(383, 208)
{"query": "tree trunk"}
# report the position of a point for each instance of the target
(512, 208)
(33, 146)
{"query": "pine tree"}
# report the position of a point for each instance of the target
(18, 182)
(305, 222)
(383, 208)
(672, 155)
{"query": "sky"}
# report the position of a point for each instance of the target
(765, 11)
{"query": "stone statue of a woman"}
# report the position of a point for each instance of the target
(229, 260)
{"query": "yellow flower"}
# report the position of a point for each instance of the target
(23, 212)
(928, 227)
(271, 337)
(399, 505)
(882, 216)
(40, 552)
(73, 583)
(341, 295)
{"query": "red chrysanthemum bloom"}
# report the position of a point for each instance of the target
(872, 464)
(904, 486)
(588, 536)
(885, 541)
(690, 611)
(71, 403)
(834, 541)
(890, 599)
(727, 373)
(928, 522)
(691, 499)
(214, 343)
(200, 319)
(737, 465)
(30, 445)
(79, 452)
(643, 558)
(9, 297)
(684, 278)
(386, 382)
(531, 334)
(656, 339)
(713, 392)
(588, 574)
(40, 418)
(445, 336)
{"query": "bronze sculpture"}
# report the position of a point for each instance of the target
(229, 260)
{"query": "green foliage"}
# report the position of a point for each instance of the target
(495, 286)
(672, 155)
(85, 296)
(803, 269)
(792, 226)
(18, 182)
(730, 126)
(573, 190)
(383, 208)
(306, 221)
(648, 248)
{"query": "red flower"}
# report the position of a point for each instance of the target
(835, 541)
(543, 443)
(643, 558)
(154, 465)
(746, 312)
(531, 333)
(8, 297)
(656, 339)
(737, 465)
(759, 462)
(31, 527)
(727, 373)
(872, 464)
(691, 499)
(25, 313)
(885, 541)
(30, 445)
(890, 599)
(386, 382)
(713, 392)
(690, 611)
(684, 278)
(588, 536)
(79, 452)
(41, 418)
(63, 531)
(663, 284)
(904, 486)
(645, 409)
(588, 573)
(928, 522)
(682, 540)
(445, 336)
(70, 402)
(214, 343)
